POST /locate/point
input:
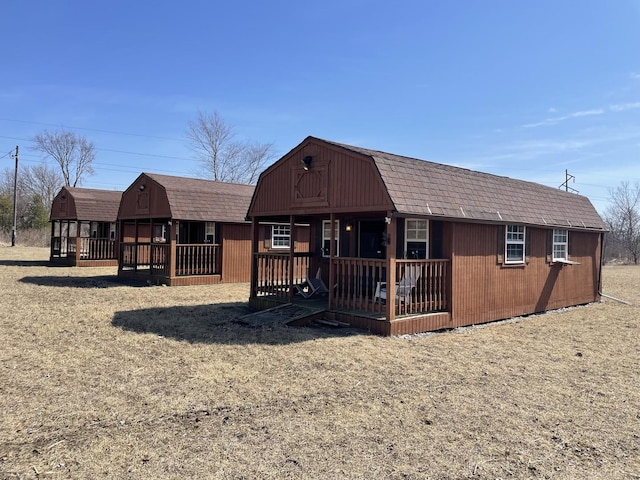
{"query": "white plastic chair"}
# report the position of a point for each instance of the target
(404, 287)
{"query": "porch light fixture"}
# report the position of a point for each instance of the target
(306, 161)
(142, 187)
(348, 227)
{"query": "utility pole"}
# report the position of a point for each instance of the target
(567, 177)
(15, 201)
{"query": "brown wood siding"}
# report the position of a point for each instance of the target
(337, 181)
(236, 252)
(128, 232)
(63, 209)
(301, 240)
(151, 202)
(484, 290)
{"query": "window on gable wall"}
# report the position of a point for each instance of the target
(326, 238)
(416, 238)
(281, 236)
(514, 244)
(560, 244)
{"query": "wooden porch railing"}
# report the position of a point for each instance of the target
(97, 249)
(431, 291)
(160, 257)
(56, 250)
(355, 283)
(128, 258)
(421, 285)
(273, 277)
(191, 259)
(145, 256)
(198, 259)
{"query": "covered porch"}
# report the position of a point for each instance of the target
(387, 296)
(83, 243)
(83, 227)
(151, 251)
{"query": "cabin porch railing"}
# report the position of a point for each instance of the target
(358, 283)
(198, 259)
(56, 247)
(97, 249)
(155, 258)
(355, 281)
(273, 273)
(145, 256)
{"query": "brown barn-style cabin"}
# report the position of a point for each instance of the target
(406, 246)
(187, 231)
(83, 227)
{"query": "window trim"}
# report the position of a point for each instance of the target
(508, 242)
(210, 230)
(281, 236)
(554, 243)
(162, 238)
(328, 239)
(406, 239)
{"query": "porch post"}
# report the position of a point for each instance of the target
(52, 242)
(150, 259)
(255, 230)
(135, 252)
(391, 266)
(292, 242)
(172, 249)
(332, 252)
(78, 243)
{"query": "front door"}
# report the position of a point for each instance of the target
(371, 239)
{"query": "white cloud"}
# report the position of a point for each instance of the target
(635, 76)
(555, 120)
(624, 106)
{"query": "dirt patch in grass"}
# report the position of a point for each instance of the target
(104, 379)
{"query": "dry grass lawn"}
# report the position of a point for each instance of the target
(102, 379)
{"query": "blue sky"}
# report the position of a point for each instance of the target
(521, 89)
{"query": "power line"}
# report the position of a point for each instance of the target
(113, 132)
(168, 157)
(123, 168)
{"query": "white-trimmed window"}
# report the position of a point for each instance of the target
(326, 238)
(160, 233)
(281, 236)
(514, 244)
(416, 238)
(560, 244)
(210, 232)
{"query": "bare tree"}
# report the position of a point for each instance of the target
(623, 218)
(42, 181)
(221, 156)
(73, 153)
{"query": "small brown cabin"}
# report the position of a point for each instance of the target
(406, 246)
(187, 231)
(83, 227)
